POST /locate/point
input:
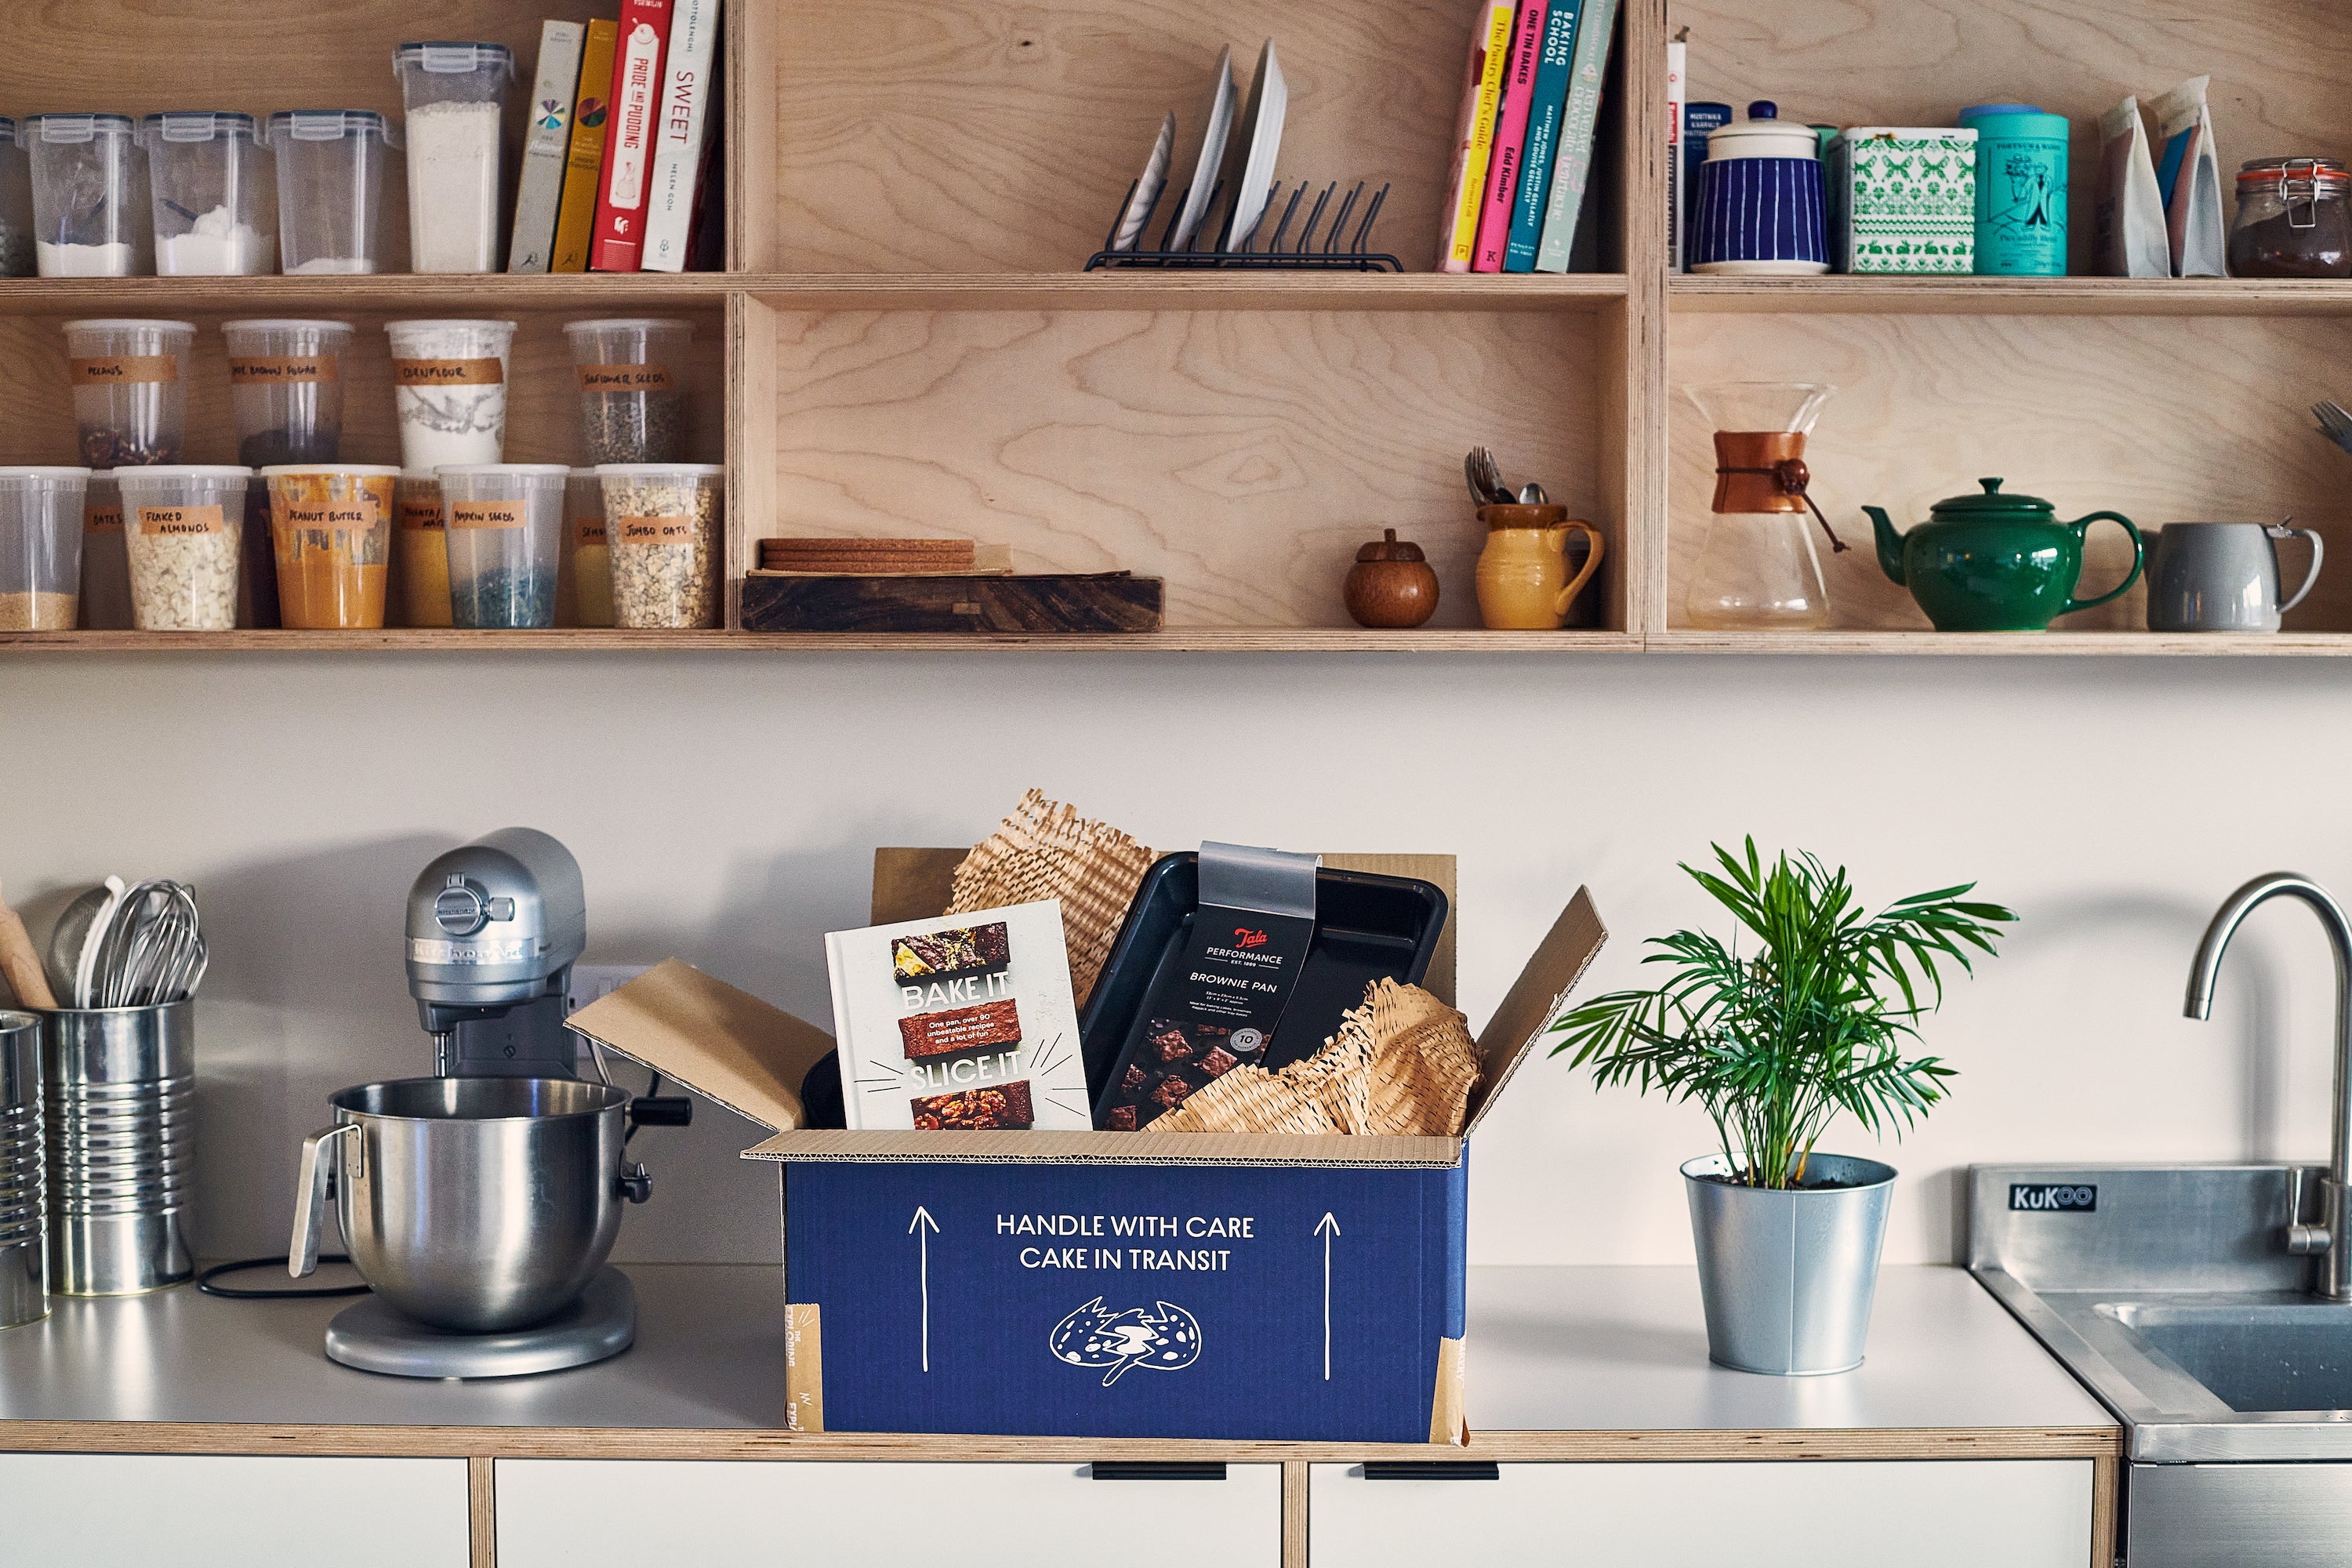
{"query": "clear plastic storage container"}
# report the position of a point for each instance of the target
(89, 195)
(331, 527)
(332, 171)
(583, 591)
(40, 548)
(449, 381)
(105, 569)
(16, 258)
(420, 547)
(286, 389)
(214, 196)
(505, 526)
(455, 97)
(632, 376)
(181, 526)
(662, 521)
(130, 380)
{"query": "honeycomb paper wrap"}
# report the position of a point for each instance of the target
(1044, 849)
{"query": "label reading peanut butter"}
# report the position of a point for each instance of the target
(588, 532)
(102, 517)
(178, 521)
(447, 371)
(668, 529)
(356, 514)
(121, 370)
(623, 377)
(486, 515)
(280, 370)
(420, 516)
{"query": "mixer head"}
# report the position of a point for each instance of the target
(494, 928)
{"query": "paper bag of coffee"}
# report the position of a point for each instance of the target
(2131, 240)
(2189, 174)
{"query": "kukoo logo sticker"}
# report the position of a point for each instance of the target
(1165, 1338)
(2053, 1197)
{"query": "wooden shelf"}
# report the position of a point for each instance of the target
(2012, 296)
(1186, 291)
(469, 291)
(2011, 645)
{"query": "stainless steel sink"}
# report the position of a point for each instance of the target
(2259, 1355)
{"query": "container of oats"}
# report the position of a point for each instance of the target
(105, 569)
(583, 586)
(40, 548)
(449, 382)
(420, 550)
(505, 532)
(129, 381)
(181, 526)
(632, 387)
(331, 527)
(662, 522)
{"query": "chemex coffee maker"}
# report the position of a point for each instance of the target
(480, 1204)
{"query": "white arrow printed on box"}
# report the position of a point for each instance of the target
(924, 1225)
(1326, 1228)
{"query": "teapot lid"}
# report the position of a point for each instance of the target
(1992, 499)
(1388, 547)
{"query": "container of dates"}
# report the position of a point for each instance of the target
(992, 1275)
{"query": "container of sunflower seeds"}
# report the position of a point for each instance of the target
(181, 524)
(662, 526)
(632, 387)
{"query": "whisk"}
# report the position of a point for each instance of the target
(152, 949)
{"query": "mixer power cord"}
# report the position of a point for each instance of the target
(278, 1260)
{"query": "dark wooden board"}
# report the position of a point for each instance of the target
(1111, 602)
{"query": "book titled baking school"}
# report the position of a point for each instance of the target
(629, 137)
(962, 1024)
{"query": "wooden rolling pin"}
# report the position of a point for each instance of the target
(19, 965)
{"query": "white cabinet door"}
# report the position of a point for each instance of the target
(628, 1513)
(143, 1510)
(1943, 1513)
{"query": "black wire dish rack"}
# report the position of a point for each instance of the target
(1336, 253)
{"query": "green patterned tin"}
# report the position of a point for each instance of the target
(1904, 199)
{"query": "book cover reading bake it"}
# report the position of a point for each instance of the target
(963, 1023)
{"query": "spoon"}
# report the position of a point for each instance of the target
(1532, 494)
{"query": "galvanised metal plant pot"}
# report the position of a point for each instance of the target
(1787, 1276)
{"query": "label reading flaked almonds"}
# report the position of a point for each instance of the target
(486, 515)
(447, 371)
(623, 377)
(330, 517)
(102, 518)
(588, 532)
(177, 522)
(280, 370)
(420, 516)
(673, 529)
(121, 370)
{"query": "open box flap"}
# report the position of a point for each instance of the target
(724, 1044)
(824, 1147)
(1534, 999)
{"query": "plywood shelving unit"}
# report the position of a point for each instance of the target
(903, 343)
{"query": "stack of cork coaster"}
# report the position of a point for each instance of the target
(871, 557)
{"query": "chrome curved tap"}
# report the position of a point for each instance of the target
(2331, 1238)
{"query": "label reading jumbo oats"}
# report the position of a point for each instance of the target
(673, 529)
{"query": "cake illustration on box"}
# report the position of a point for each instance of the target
(1163, 1338)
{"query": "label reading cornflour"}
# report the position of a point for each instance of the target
(484, 372)
(678, 529)
(486, 515)
(283, 370)
(180, 522)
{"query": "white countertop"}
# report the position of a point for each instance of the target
(1572, 1349)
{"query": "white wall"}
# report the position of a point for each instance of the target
(724, 807)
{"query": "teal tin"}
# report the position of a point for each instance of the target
(2020, 190)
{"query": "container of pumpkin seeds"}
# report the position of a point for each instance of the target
(662, 525)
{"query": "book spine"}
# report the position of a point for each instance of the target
(1572, 168)
(1505, 168)
(1490, 47)
(1677, 199)
(620, 187)
(575, 216)
(679, 134)
(541, 190)
(1544, 111)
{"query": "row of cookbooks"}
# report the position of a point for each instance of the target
(1523, 149)
(620, 165)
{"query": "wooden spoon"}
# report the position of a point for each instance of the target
(19, 965)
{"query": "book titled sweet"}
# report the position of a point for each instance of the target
(679, 134)
(965, 1022)
(627, 177)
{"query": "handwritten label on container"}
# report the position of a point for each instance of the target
(281, 370)
(122, 370)
(447, 371)
(623, 377)
(676, 529)
(588, 532)
(181, 522)
(102, 518)
(486, 515)
(420, 516)
(330, 517)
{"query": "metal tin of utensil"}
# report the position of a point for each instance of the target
(122, 1144)
(24, 1230)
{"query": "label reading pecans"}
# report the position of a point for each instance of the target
(588, 532)
(671, 529)
(447, 371)
(121, 370)
(623, 377)
(102, 518)
(486, 515)
(280, 370)
(330, 517)
(420, 516)
(179, 522)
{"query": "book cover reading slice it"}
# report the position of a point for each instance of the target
(966, 1022)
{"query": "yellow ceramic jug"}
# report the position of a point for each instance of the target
(1523, 580)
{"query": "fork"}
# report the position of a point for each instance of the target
(2334, 423)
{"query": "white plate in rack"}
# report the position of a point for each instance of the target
(1252, 174)
(1147, 188)
(1219, 124)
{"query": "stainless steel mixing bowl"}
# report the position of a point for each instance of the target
(472, 1204)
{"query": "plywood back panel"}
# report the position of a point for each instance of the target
(1241, 455)
(2164, 419)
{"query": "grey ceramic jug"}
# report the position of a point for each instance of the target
(2221, 576)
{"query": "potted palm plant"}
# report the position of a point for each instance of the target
(1818, 1015)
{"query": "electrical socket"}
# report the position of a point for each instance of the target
(591, 981)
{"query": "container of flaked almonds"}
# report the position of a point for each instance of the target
(662, 524)
(181, 526)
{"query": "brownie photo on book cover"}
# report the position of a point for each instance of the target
(1001, 1108)
(927, 1035)
(952, 954)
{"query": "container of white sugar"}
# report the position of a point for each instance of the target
(331, 172)
(89, 195)
(450, 388)
(214, 196)
(455, 96)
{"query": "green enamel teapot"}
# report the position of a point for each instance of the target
(1995, 562)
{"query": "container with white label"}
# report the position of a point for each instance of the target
(181, 526)
(505, 528)
(214, 196)
(449, 385)
(89, 195)
(129, 381)
(455, 96)
(662, 522)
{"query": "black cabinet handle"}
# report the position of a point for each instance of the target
(1433, 1470)
(1149, 1471)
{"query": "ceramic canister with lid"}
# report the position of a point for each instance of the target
(1762, 207)
(2020, 190)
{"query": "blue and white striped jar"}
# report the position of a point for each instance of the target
(1762, 208)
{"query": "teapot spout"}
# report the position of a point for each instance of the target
(1890, 543)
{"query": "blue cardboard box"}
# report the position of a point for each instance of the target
(1229, 1286)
